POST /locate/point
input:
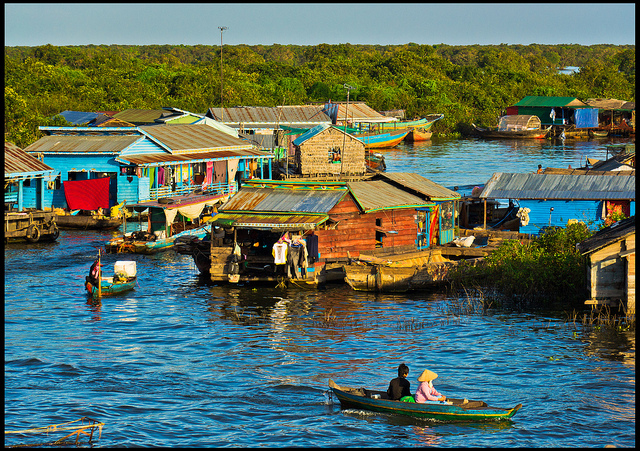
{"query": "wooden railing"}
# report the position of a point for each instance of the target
(215, 188)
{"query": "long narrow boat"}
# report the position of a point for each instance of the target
(510, 134)
(419, 128)
(148, 243)
(381, 140)
(164, 223)
(87, 222)
(124, 279)
(407, 272)
(458, 410)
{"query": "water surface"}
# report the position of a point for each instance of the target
(178, 362)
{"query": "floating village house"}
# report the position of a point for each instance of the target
(267, 127)
(148, 162)
(611, 268)
(27, 180)
(557, 199)
(306, 230)
(618, 117)
(562, 114)
(327, 151)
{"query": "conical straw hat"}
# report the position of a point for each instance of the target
(427, 376)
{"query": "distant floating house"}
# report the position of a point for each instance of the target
(27, 180)
(149, 162)
(563, 114)
(611, 272)
(556, 199)
(618, 117)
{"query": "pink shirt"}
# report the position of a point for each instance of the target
(426, 393)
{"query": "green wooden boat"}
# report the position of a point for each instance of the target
(458, 410)
(124, 279)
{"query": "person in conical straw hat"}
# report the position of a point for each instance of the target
(426, 392)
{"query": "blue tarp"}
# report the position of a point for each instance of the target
(586, 117)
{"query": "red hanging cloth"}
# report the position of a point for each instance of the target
(87, 194)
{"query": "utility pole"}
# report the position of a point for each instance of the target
(344, 137)
(221, 102)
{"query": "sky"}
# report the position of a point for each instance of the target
(34, 24)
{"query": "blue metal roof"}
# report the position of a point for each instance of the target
(560, 186)
(310, 133)
(78, 117)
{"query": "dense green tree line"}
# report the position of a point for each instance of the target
(467, 83)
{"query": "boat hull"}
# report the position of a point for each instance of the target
(471, 411)
(67, 222)
(418, 134)
(517, 134)
(109, 288)
(122, 245)
(383, 140)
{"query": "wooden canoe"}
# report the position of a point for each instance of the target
(382, 140)
(377, 401)
(111, 288)
(424, 123)
(130, 244)
(494, 133)
(87, 222)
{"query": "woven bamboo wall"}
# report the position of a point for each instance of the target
(313, 154)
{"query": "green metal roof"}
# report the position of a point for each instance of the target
(544, 101)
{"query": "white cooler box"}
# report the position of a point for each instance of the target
(128, 268)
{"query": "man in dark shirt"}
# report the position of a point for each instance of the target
(400, 386)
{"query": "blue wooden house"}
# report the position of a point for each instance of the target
(148, 162)
(557, 199)
(26, 179)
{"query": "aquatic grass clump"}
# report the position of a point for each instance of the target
(546, 272)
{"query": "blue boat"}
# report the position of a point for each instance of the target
(382, 140)
(168, 220)
(124, 279)
(453, 410)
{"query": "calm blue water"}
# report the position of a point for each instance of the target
(178, 362)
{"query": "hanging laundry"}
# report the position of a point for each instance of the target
(220, 172)
(280, 253)
(312, 248)
(209, 177)
(160, 176)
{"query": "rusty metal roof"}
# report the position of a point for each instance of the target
(139, 116)
(360, 112)
(182, 138)
(615, 232)
(155, 159)
(559, 187)
(271, 222)
(76, 144)
(421, 185)
(17, 162)
(287, 114)
(285, 200)
(374, 195)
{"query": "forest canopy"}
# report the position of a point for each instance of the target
(473, 83)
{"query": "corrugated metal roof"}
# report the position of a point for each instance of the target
(287, 114)
(605, 104)
(310, 134)
(139, 116)
(152, 159)
(78, 117)
(544, 101)
(422, 185)
(108, 144)
(374, 195)
(181, 138)
(18, 162)
(608, 235)
(360, 112)
(286, 200)
(555, 186)
(272, 222)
